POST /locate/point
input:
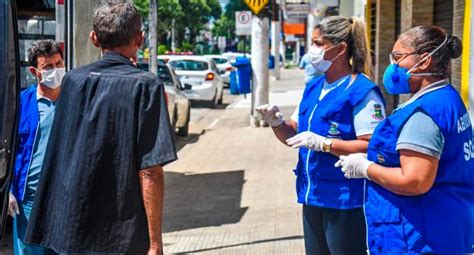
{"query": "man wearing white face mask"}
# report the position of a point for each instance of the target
(37, 105)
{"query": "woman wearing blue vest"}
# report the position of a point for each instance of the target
(337, 116)
(420, 160)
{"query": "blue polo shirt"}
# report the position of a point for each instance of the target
(46, 115)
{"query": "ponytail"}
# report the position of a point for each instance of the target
(361, 58)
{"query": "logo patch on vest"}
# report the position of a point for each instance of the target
(380, 158)
(378, 115)
(333, 130)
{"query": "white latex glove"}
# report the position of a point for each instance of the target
(308, 140)
(12, 206)
(270, 114)
(354, 165)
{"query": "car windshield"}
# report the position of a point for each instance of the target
(220, 60)
(144, 66)
(189, 65)
(164, 75)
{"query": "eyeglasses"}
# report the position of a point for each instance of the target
(396, 57)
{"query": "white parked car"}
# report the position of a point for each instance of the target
(201, 72)
(163, 59)
(179, 107)
(232, 56)
(224, 65)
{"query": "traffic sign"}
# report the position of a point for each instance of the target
(256, 5)
(243, 23)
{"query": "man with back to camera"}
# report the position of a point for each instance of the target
(102, 185)
(37, 106)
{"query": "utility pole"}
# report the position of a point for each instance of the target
(311, 23)
(153, 17)
(276, 39)
(173, 43)
(259, 53)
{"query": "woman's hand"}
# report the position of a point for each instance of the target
(270, 114)
(308, 140)
(354, 165)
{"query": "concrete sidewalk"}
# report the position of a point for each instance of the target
(232, 191)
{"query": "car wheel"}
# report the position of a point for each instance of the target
(221, 98)
(175, 118)
(213, 102)
(184, 130)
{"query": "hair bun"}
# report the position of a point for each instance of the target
(454, 47)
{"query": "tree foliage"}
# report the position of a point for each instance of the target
(188, 15)
(225, 25)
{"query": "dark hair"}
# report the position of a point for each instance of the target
(116, 23)
(352, 31)
(45, 48)
(426, 38)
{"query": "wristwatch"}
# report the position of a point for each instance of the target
(327, 144)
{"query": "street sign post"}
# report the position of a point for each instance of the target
(256, 5)
(221, 43)
(243, 23)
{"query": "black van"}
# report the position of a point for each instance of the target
(9, 100)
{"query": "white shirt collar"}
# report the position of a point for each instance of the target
(39, 96)
(336, 83)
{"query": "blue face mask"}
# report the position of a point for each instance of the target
(396, 78)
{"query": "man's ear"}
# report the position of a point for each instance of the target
(93, 37)
(139, 40)
(34, 72)
(425, 64)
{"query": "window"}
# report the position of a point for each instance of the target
(220, 60)
(189, 65)
(214, 67)
(165, 76)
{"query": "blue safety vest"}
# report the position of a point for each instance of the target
(441, 220)
(318, 182)
(27, 127)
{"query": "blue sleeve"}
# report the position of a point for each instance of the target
(421, 134)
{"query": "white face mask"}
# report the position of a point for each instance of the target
(52, 78)
(316, 57)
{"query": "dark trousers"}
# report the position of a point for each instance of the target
(334, 231)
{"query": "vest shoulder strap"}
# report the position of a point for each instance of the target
(361, 87)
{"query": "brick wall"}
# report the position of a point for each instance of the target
(415, 13)
(412, 13)
(384, 39)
